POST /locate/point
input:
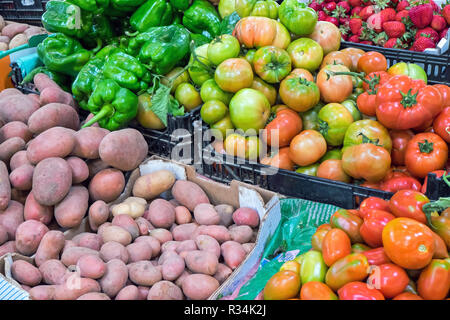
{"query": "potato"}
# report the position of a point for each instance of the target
(144, 226)
(18, 40)
(223, 273)
(114, 250)
(118, 234)
(151, 185)
(15, 129)
(12, 29)
(10, 147)
(28, 236)
(42, 292)
(21, 178)
(130, 292)
(17, 108)
(199, 286)
(72, 209)
(91, 266)
(25, 273)
(74, 287)
(180, 279)
(184, 231)
(202, 262)
(54, 95)
(50, 246)
(80, 170)
(246, 216)
(165, 290)
(98, 214)
(186, 245)
(162, 235)
(70, 256)
(94, 296)
(153, 242)
(123, 149)
(8, 247)
(161, 213)
(53, 142)
(107, 185)
(5, 187)
(205, 214)
(220, 233)
(35, 211)
(248, 247)
(144, 273)
(127, 223)
(233, 253)
(11, 218)
(88, 240)
(52, 179)
(133, 206)
(3, 235)
(182, 215)
(207, 243)
(173, 267)
(53, 271)
(87, 142)
(139, 251)
(189, 194)
(18, 159)
(241, 234)
(225, 212)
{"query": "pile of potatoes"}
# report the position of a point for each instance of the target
(145, 248)
(14, 34)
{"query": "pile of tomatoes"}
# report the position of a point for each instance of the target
(395, 249)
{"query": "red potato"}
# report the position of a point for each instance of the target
(15, 129)
(42, 81)
(9, 147)
(223, 272)
(172, 267)
(185, 231)
(139, 251)
(165, 290)
(199, 286)
(207, 243)
(22, 177)
(13, 29)
(52, 179)
(88, 240)
(130, 292)
(53, 142)
(189, 194)
(50, 246)
(143, 273)
(74, 287)
(70, 256)
(226, 214)
(25, 273)
(35, 211)
(71, 210)
(186, 245)
(95, 166)
(91, 266)
(204, 214)
(161, 213)
(98, 214)
(5, 187)
(246, 216)
(116, 233)
(53, 115)
(18, 159)
(199, 261)
(107, 185)
(233, 253)
(114, 250)
(87, 142)
(53, 95)
(3, 235)
(220, 233)
(94, 296)
(126, 222)
(29, 235)
(182, 215)
(80, 170)
(11, 218)
(152, 242)
(42, 292)
(53, 271)
(123, 149)
(241, 234)
(17, 108)
(162, 235)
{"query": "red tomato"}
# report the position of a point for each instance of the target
(408, 204)
(438, 173)
(336, 245)
(389, 278)
(434, 281)
(376, 256)
(285, 126)
(359, 291)
(400, 183)
(441, 124)
(372, 61)
(373, 225)
(407, 296)
(400, 139)
(373, 203)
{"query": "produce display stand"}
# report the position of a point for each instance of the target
(27, 11)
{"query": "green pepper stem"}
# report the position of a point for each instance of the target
(107, 110)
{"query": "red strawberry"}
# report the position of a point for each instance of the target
(422, 43)
(355, 25)
(446, 13)
(388, 14)
(390, 43)
(356, 11)
(329, 7)
(421, 15)
(443, 33)
(375, 22)
(402, 5)
(345, 5)
(354, 38)
(401, 14)
(394, 29)
(322, 16)
(366, 12)
(428, 32)
(333, 20)
(438, 23)
(355, 3)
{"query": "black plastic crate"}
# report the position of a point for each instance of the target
(24, 11)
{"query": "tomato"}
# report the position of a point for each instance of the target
(372, 61)
(297, 17)
(313, 267)
(309, 117)
(291, 265)
(332, 170)
(268, 90)
(256, 32)
(223, 127)
(332, 154)
(249, 110)
(327, 35)
(234, 74)
(434, 281)
(353, 267)
(408, 203)
(354, 55)
(307, 147)
(403, 103)
(305, 53)
(400, 183)
(280, 160)
(366, 161)
(301, 73)
(360, 248)
(373, 203)
(407, 296)
(357, 290)
(272, 64)
(334, 88)
(350, 105)
(336, 245)
(425, 152)
(310, 170)
(334, 119)
(376, 256)
(299, 94)
(389, 279)
(211, 91)
(408, 243)
(363, 131)
(445, 93)
(197, 71)
(213, 111)
(441, 124)
(316, 290)
(188, 96)
(282, 285)
(283, 128)
(222, 48)
(440, 248)
(317, 237)
(348, 222)
(336, 57)
(437, 173)
(400, 139)
(372, 228)
(411, 70)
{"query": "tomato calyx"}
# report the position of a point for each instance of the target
(408, 99)
(366, 139)
(426, 146)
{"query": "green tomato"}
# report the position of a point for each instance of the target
(310, 170)
(188, 96)
(305, 53)
(334, 119)
(350, 105)
(297, 17)
(197, 72)
(213, 111)
(226, 7)
(222, 48)
(409, 69)
(332, 154)
(223, 126)
(211, 91)
(309, 118)
(313, 267)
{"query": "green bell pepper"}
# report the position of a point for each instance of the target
(202, 17)
(96, 6)
(152, 13)
(63, 54)
(113, 106)
(180, 5)
(67, 18)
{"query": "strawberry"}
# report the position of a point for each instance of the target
(329, 7)
(333, 20)
(354, 38)
(366, 12)
(355, 11)
(443, 33)
(401, 14)
(355, 25)
(375, 22)
(322, 16)
(388, 14)
(394, 29)
(402, 5)
(438, 23)
(446, 13)
(428, 32)
(422, 43)
(421, 15)
(355, 3)
(345, 5)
